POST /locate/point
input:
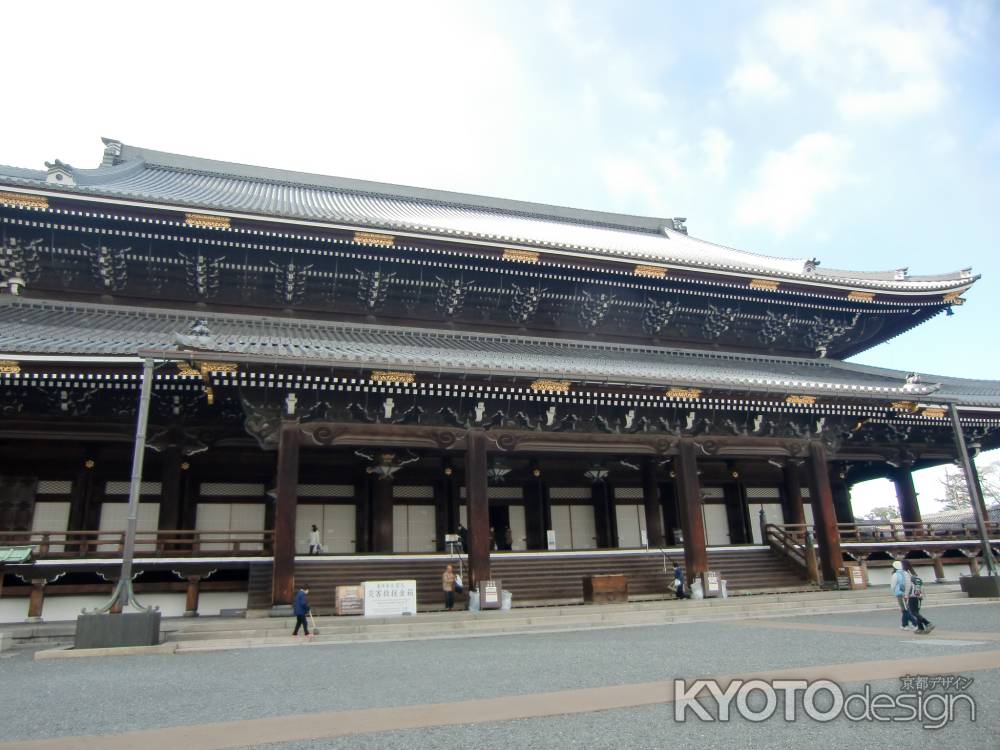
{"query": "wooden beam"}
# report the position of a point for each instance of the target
(651, 503)
(689, 502)
(478, 506)
(825, 516)
(283, 586)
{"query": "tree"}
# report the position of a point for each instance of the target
(956, 492)
(884, 513)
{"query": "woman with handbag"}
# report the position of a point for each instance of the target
(448, 585)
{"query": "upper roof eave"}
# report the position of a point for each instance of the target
(629, 239)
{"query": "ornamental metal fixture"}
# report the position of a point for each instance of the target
(290, 281)
(824, 331)
(373, 288)
(19, 264)
(524, 303)
(658, 315)
(774, 327)
(201, 274)
(718, 321)
(384, 465)
(451, 295)
(109, 267)
(497, 472)
(596, 473)
(594, 308)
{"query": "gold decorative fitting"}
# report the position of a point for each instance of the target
(205, 368)
(9, 367)
(934, 413)
(904, 406)
(653, 272)
(373, 238)
(187, 371)
(22, 200)
(691, 394)
(207, 221)
(448, 471)
(800, 400)
(521, 256)
(89, 464)
(861, 296)
(536, 472)
(185, 466)
(209, 395)
(555, 386)
(953, 298)
(395, 378)
(767, 284)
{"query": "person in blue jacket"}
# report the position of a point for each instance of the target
(301, 608)
(679, 583)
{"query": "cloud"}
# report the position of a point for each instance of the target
(790, 184)
(755, 79)
(716, 147)
(875, 62)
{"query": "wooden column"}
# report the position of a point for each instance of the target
(80, 496)
(671, 513)
(535, 515)
(841, 500)
(736, 512)
(171, 494)
(651, 502)
(37, 600)
(478, 506)
(381, 514)
(791, 493)
(283, 587)
(689, 504)
(980, 498)
(820, 494)
(362, 513)
(193, 592)
(453, 495)
(603, 496)
(906, 494)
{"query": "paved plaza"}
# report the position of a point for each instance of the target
(595, 688)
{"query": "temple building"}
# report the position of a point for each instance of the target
(582, 391)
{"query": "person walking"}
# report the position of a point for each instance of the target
(679, 584)
(314, 546)
(448, 586)
(914, 598)
(300, 607)
(899, 583)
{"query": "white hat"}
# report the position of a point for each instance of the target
(897, 565)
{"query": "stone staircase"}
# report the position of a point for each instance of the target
(221, 633)
(532, 579)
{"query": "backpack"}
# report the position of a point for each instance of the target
(916, 587)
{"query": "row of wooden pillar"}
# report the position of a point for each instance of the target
(827, 509)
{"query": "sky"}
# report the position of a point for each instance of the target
(864, 134)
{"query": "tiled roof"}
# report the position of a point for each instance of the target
(152, 176)
(78, 329)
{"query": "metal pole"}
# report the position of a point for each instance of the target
(963, 454)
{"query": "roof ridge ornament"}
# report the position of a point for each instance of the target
(112, 152)
(59, 173)
(810, 266)
(198, 337)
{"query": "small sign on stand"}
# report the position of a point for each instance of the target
(711, 583)
(550, 536)
(349, 600)
(489, 594)
(385, 598)
(856, 576)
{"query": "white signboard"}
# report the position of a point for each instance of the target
(643, 539)
(551, 536)
(385, 598)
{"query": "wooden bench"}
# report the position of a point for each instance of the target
(604, 589)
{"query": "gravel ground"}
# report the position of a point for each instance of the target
(120, 693)
(655, 728)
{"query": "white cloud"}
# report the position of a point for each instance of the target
(716, 147)
(874, 61)
(755, 79)
(790, 184)
(914, 98)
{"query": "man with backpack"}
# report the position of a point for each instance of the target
(914, 598)
(899, 584)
